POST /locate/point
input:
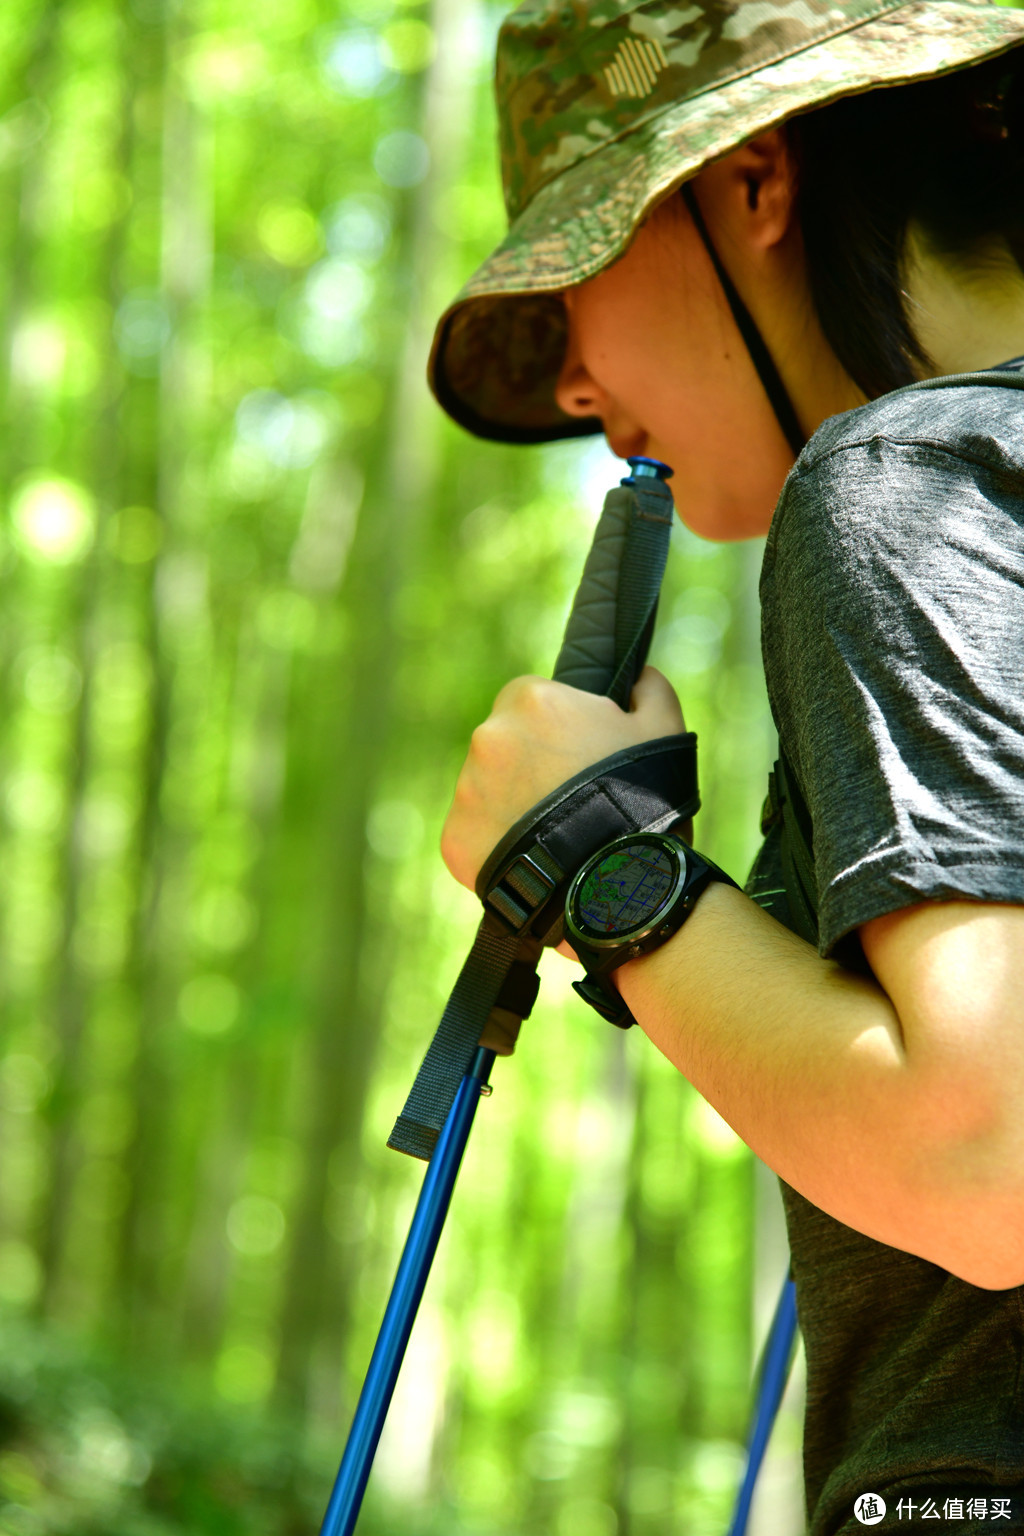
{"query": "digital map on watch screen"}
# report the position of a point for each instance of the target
(625, 890)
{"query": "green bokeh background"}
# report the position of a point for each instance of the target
(255, 592)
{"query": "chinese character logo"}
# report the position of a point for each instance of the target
(869, 1509)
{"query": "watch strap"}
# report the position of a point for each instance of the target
(605, 999)
(597, 988)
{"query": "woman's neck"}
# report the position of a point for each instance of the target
(967, 313)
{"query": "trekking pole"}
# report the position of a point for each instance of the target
(403, 1303)
(773, 1372)
(604, 649)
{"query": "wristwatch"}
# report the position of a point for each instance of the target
(628, 898)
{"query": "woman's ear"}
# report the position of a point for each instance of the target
(750, 195)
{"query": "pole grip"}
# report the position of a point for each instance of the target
(612, 617)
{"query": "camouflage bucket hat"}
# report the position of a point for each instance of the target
(607, 106)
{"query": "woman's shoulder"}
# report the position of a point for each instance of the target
(923, 480)
(976, 418)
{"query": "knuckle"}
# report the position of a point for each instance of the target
(524, 692)
(485, 742)
(536, 693)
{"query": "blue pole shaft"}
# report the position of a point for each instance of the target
(403, 1303)
(774, 1371)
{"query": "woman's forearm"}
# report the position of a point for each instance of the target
(809, 1065)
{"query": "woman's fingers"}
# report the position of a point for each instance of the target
(539, 734)
(654, 699)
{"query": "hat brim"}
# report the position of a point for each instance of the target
(498, 348)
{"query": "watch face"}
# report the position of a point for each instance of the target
(625, 890)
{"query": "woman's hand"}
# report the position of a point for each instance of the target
(539, 734)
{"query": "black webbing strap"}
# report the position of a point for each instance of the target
(604, 648)
(761, 358)
(786, 803)
(474, 995)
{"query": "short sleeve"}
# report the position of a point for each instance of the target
(893, 630)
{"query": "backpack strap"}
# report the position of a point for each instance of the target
(786, 809)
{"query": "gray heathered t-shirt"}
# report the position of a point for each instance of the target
(893, 633)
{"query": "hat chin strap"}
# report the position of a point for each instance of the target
(761, 358)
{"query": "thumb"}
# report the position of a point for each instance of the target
(656, 700)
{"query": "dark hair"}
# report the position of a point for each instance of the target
(947, 153)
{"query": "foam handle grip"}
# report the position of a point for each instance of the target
(587, 656)
(611, 620)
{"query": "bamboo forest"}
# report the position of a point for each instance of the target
(257, 592)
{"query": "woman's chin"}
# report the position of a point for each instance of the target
(726, 522)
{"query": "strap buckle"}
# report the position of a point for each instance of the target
(523, 887)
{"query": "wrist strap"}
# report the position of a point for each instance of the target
(523, 886)
(641, 789)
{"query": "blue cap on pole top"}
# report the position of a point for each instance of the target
(646, 469)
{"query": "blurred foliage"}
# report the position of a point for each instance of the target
(254, 595)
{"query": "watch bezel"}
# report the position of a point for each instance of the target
(628, 937)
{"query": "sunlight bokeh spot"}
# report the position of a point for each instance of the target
(209, 1004)
(289, 233)
(255, 1226)
(354, 64)
(134, 535)
(408, 45)
(53, 518)
(34, 801)
(223, 918)
(402, 158)
(243, 1374)
(39, 352)
(51, 680)
(395, 829)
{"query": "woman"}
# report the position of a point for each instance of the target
(873, 239)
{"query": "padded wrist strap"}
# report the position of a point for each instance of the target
(523, 887)
(642, 789)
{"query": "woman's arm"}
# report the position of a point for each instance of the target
(898, 1110)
